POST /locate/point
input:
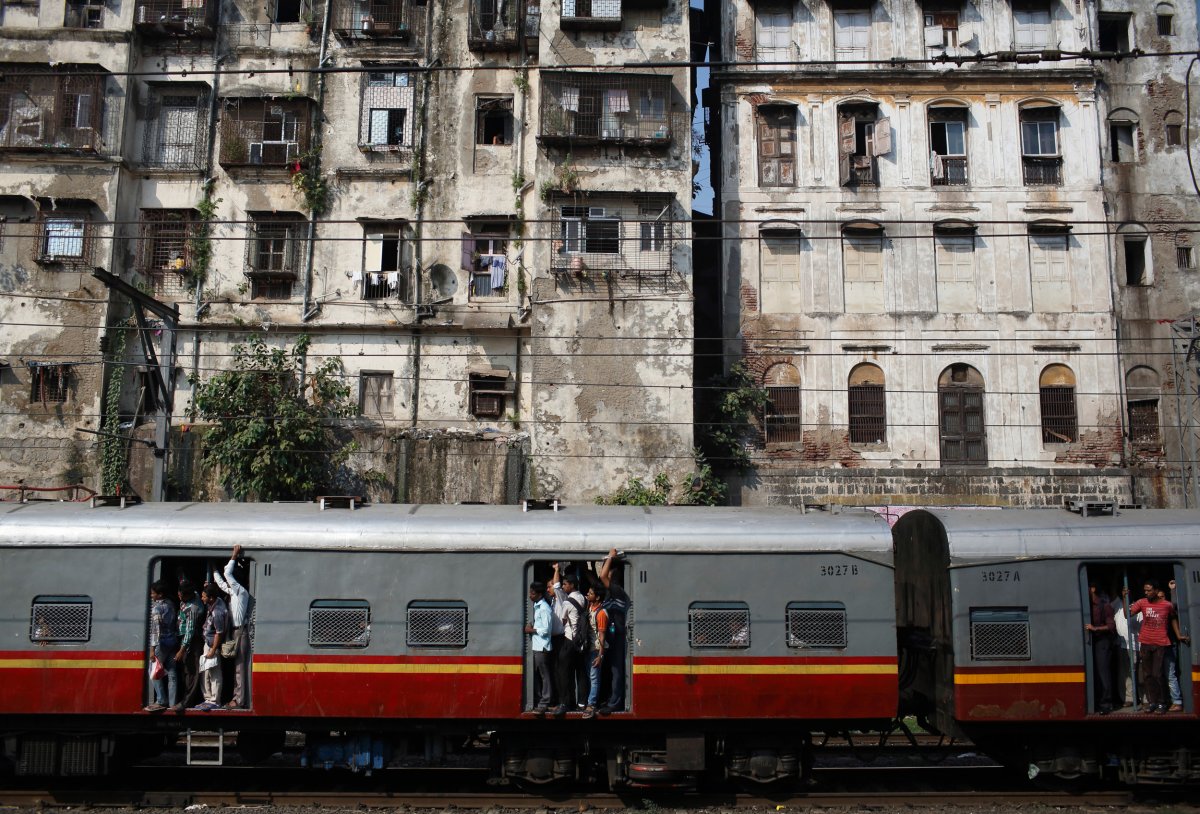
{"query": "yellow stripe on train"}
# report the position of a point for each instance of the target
(333, 667)
(71, 664)
(1019, 678)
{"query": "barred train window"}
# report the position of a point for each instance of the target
(339, 623)
(816, 624)
(719, 624)
(437, 623)
(60, 619)
(1000, 634)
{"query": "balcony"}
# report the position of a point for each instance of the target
(394, 22)
(1041, 171)
(948, 171)
(52, 112)
(593, 15)
(176, 18)
(605, 108)
(612, 238)
(494, 25)
(267, 133)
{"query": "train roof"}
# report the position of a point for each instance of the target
(988, 535)
(383, 527)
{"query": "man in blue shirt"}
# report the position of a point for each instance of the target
(540, 631)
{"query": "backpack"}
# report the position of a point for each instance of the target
(584, 629)
(616, 610)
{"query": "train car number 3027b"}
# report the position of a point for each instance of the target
(839, 570)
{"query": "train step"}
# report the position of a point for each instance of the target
(205, 747)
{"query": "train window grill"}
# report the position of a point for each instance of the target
(1000, 634)
(719, 624)
(339, 623)
(816, 624)
(60, 619)
(437, 624)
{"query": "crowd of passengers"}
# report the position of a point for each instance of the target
(197, 644)
(577, 640)
(1148, 634)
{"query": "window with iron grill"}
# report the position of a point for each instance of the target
(339, 623)
(49, 383)
(54, 619)
(1143, 422)
(437, 624)
(165, 240)
(488, 395)
(1000, 634)
(781, 414)
(172, 133)
(64, 239)
(1165, 25)
(816, 624)
(719, 624)
(273, 254)
(1184, 258)
(581, 108)
(1059, 421)
(868, 414)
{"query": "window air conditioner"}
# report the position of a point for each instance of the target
(596, 212)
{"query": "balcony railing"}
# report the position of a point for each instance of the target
(1042, 171)
(49, 112)
(165, 242)
(264, 132)
(582, 108)
(948, 172)
(862, 172)
(597, 15)
(611, 239)
(176, 18)
(494, 25)
(394, 21)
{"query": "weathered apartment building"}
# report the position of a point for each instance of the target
(944, 246)
(479, 206)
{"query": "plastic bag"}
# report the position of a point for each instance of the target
(208, 663)
(157, 670)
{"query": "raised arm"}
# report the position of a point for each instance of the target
(606, 568)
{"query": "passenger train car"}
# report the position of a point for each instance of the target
(391, 631)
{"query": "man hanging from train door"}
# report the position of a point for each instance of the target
(1103, 630)
(241, 607)
(617, 606)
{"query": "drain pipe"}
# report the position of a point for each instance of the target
(418, 244)
(309, 310)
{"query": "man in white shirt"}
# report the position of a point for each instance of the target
(570, 608)
(240, 603)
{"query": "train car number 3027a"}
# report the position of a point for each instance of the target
(1001, 576)
(839, 570)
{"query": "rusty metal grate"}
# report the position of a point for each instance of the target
(1000, 635)
(781, 415)
(339, 623)
(437, 624)
(1143, 423)
(61, 619)
(1059, 421)
(719, 624)
(868, 414)
(814, 626)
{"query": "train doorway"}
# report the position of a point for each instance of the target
(185, 579)
(570, 676)
(1113, 659)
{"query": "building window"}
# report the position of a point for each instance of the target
(1134, 249)
(852, 36)
(64, 239)
(777, 146)
(489, 390)
(288, 11)
(941, 32)
(165, 241)
(383, 275)
(773, 34)
(781, 413)
(264, 132)
(999, 634)
(1049, 253)
(1114, 32)
(1060, 424)
(954, 244)
(175, 122)
(780, 257)
(1164, 14)
(493, 24)
(48, 383)
(1122, 136)
(339, 623)
(385, 124)
(1033, 28)
(1042, 163)
(605, 108)
(589, 229)
(375, 395)
(724, 625)
(273, 254)
(1185, 259)
(813, 625)
(862, 267)
(960, 417)
(867, 402)
(1142, 386)
(1173, 128)
(437, 624)
(599, 14)
(948, 146)
(60, 619)
(493, 120)
(359, 22)
(84, 14)
(863, 135)
(485, 258)
(52, 108)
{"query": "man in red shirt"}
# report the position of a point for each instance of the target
(1156, 615)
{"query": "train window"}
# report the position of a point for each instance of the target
(437, 624)
(719, 624)
(816, 624)
(339, 623)
(1000, 633)
(60, 619)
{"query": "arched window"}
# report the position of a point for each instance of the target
(960, 417)
(781, 414)
(1060, 423)
(1134, 245)
(1122, 136)
(1142, 385)
(1165, 15)
(867, 401)
(1173, 128)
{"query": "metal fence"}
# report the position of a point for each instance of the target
(264, 132)
(612, 108)
(397, 21)
(51, 110)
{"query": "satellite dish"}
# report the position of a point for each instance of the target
(443, 279)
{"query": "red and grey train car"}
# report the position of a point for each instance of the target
(401, 627)
(991, 615)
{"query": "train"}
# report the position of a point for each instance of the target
(384, 633)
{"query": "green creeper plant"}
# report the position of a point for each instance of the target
(724, 410)
(114, 449)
